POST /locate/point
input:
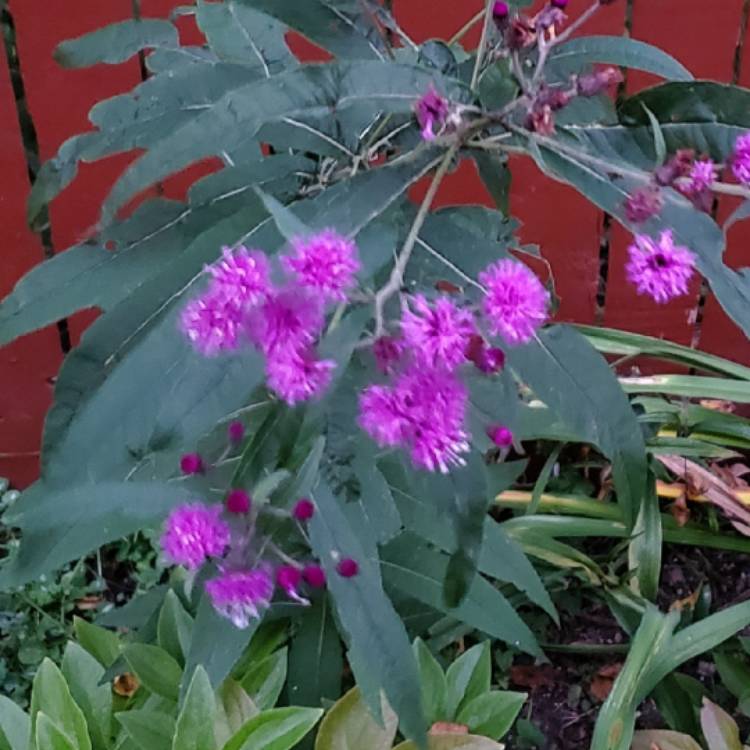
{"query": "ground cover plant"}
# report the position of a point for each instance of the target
(349, 420)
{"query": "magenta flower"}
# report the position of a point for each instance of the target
(432, 114)
(193, 533)
(242, 275)
(741, 159)
(304, 510)
(516, 302)
(643, 204)
(500, 13)
(297, 375)
(592, 84)
(314, 576)
(191, 463)
(501, 436)
(488, 360)
(702, 175)
(388, 351)
(288, 579)
(238, 501)
(287, 320)
(212, 323)
(241, 595)
(347, 568)
(439, 333)
(660, 269)
(326, 263)
(424, 412)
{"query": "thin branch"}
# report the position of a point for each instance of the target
(397, 274)
(467, 27)
(482, 44)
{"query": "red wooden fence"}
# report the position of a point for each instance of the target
(568, 229)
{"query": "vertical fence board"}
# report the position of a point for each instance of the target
(707, 56)
(28, 364)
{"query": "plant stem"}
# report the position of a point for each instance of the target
(467, 27)
(582, 19)
(397, 274)
(482, 44)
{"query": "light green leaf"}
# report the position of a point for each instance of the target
(50, 694)
(492, 714)
(15, 724)
(575, 54)
(276, 729)
(50, 737)
(234, 708)
(644, 552)
(84, 675)
(468, 677)
(664, 739)
(174, 628)
(265, 679)
(148, 729)
(719, 728)
(194, 728)
(454, 742)
(433, 682)
(289, 225)
(155, 668)
(349, 725)
(116, 43)
(102, 644)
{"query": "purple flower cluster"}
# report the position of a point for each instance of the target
(284, 323)
(432, 112)
(423, 407)
(659, 268)
(741, 159)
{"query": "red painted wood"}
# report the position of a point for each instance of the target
(719, 335)
(27, 365)
(707, 56)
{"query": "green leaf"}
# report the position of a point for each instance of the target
(276, 729)
(194, 728)
(265, 680)
(50, 737)
(349, 725)
(572, 56)
(155, 669)
(80, 519)
(576, 383)
(468, 677)
(289, 225)
(315, 658)
(734, 673)
(15, 724)
(174, 628)
(719, 728)
(645, 549)
(375, 634)
(85, 677)
(415, 569)
(116, 43)
(217, 644)
(454, 742)
(50, 694)
(234, 708)
(239, 34)
(102, 644)
(148, 729)
(433, 682)
(492, 714)
(690, 386)
(664, 739)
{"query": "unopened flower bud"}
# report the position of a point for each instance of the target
(236, 432)
(501, 436)
(541, 120)
(595, 83)
(500, 13)
(314, 576)
(561, 4)
(520, 33)
(347, 568)
(677, 166)
(191, 463)
(643, 204)
(238, 501)
(304, 510)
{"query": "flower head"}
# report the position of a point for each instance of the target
(660, 268)
(212, 323)
(288, 319)
(325, 263)
(741, 159)
(432, 114)
(304, 510)
(193, 533)
(702, 175)
(423, 411)
(437, 333)
(643, 204)
(314, 576)
(388, 351)
(501, 436)
(675, 167)
(288, 579)
(297, 375)
(516, 301)
(500, 13)
(595, 83)
(347, 568)
(191, 463)
(241, 595)
(236, 432)
(488, 360)
(241, 275)
(238, 501)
